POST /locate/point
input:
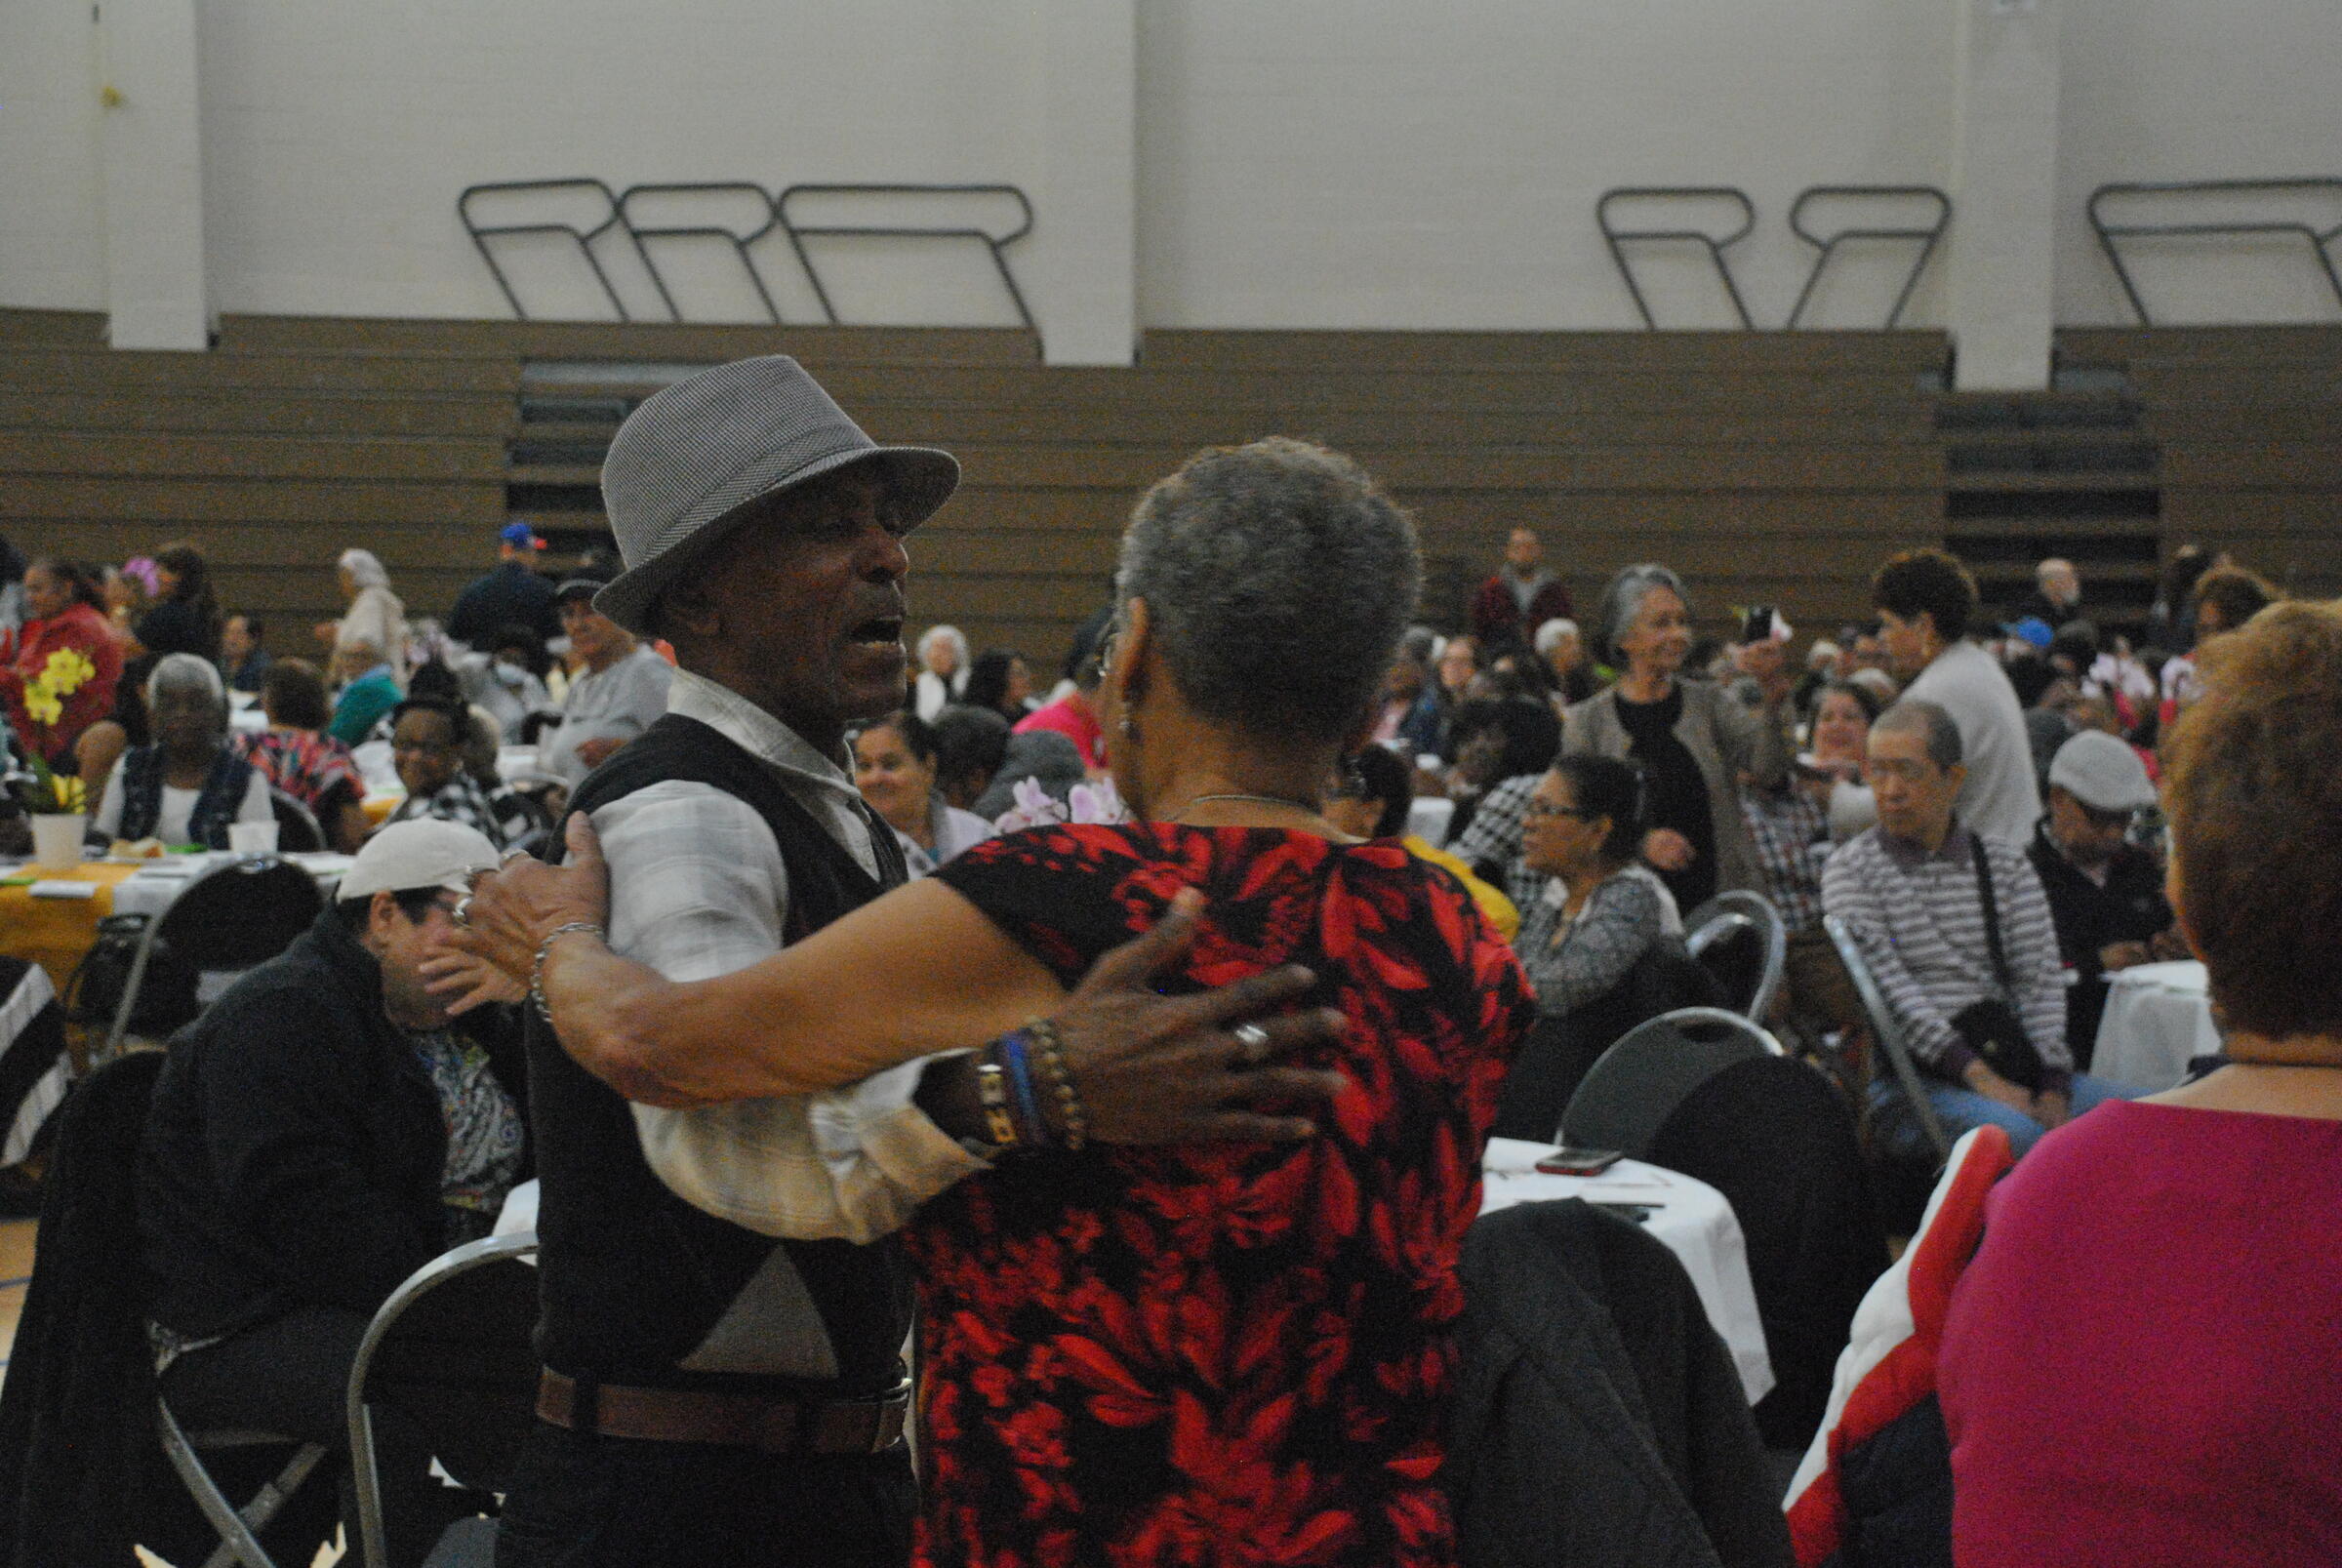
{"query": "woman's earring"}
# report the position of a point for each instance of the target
(1354, 778)
(1128, 726)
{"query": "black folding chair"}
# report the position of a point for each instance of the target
(452, 1351)
(297, 828)
(231, 917)
(1739, 938)
(1640, 1081)
(79, 1486)
(1889, 1035)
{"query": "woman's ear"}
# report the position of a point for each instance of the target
(1132, 644)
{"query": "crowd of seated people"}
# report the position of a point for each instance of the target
(1977, 801)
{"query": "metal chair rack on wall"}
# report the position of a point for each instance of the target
(482, 233)
(1617, 238)
(644, 233)
(624, 210)
(996, 244)
(2320, 240)
(1928, 235)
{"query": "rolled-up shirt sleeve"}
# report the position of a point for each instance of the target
(698, 889)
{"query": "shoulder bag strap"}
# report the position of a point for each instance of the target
(1992, 915)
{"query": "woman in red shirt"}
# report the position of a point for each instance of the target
(62, 604)
(2140, 1365)
(1196, 1354)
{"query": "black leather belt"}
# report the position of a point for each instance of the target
(727, 1420)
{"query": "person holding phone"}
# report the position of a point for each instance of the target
(1694, 739)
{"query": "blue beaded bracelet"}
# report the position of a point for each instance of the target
(1017, 1066)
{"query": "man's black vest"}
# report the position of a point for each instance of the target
(634, 1278)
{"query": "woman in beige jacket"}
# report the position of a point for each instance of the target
(1694, 739)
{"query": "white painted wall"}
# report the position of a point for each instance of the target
(1298, 163)
(51, 190)
(2164, 89)
(1354, 163)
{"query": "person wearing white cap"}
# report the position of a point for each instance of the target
(2106, 894)
(321, 1132)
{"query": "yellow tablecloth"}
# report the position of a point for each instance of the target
(55, 933)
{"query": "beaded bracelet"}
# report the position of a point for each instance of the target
(991, 1092)
(1050, 1051)
(537, 969)
(1016, 1064)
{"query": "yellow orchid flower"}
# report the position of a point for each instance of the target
(42, 704)
(69, 794)
(67, 671)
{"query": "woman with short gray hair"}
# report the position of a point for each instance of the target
(374, 614)
(942, 672)
(1262, 594)
(189, 785)
(1694, 739)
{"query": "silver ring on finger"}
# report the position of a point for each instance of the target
(1254, 1041)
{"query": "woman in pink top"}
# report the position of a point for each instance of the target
(2142, 1365)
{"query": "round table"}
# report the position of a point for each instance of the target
(1692, 1218)
(2157, 1017)
(56, 932)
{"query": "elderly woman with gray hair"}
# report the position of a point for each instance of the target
(374, 614)
(1694, 739)
(942, 672)
(189, 785)
(1150, 1354)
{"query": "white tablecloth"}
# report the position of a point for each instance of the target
(2158, 1016)
(1690, 1217)
(1429, 816)
(151, 889)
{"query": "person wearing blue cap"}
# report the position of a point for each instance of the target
(512, 595)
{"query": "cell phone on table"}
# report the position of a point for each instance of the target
(1567, 1161)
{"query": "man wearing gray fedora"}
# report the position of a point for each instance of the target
(715, 1396)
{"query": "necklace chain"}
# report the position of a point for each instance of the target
(1309, 806)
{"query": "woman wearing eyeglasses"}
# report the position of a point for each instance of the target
(1582, 827)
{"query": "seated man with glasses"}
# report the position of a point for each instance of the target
(320, 1133)
(2106, 894)
(1957, 929)
(428, 739)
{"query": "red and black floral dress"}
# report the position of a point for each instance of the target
(1223, 1354)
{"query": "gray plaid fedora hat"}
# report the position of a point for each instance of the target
(686, 464)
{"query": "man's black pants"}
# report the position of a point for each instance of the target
(291, 1375)
(586, 1501)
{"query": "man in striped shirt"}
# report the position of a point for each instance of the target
(1909, 891)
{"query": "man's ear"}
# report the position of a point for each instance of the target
(382, 911)
(1957, 772)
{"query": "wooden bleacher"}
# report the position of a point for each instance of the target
(1769, 468)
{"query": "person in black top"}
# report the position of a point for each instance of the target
(514, 595)
(320, 1133)
(716, 1398)
(242, 658)
(2106, 894)
(186, 615)
(1694, 739)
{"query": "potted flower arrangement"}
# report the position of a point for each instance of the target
(55, 801)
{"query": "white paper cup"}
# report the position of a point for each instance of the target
(251, 839)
